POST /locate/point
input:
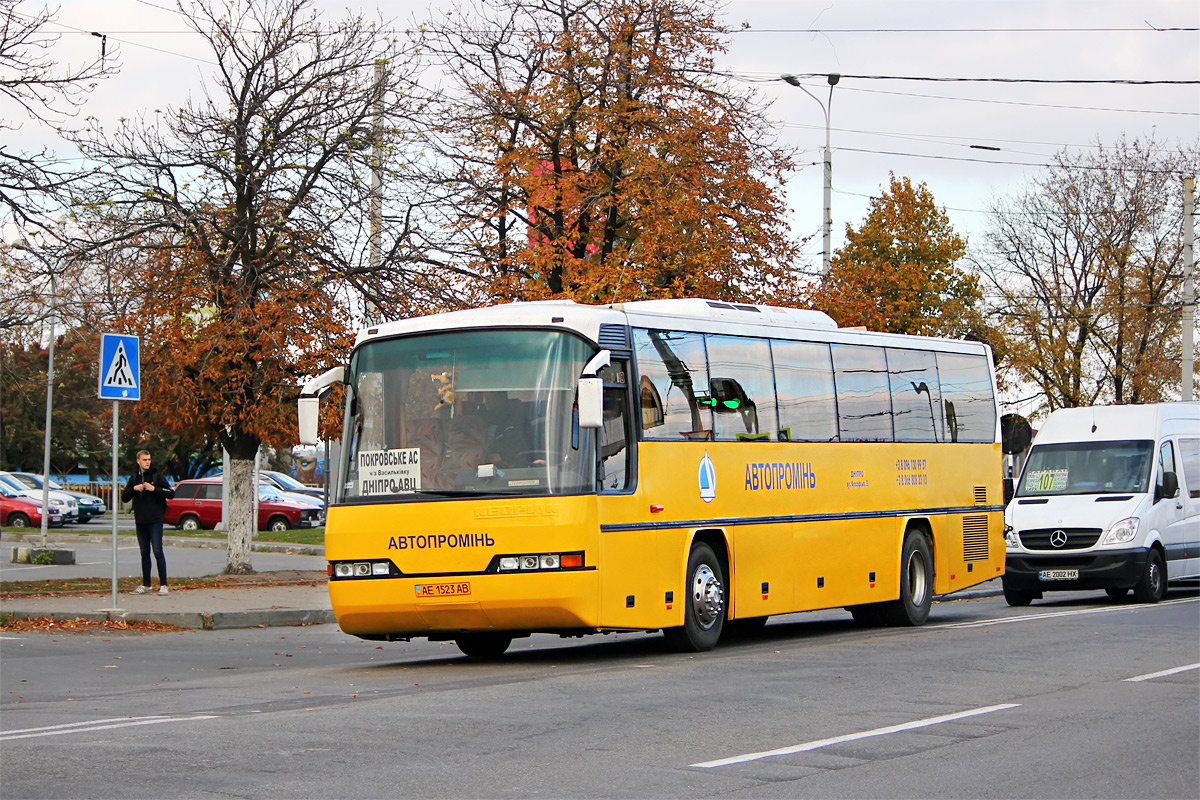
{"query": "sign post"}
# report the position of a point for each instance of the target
(120, 379)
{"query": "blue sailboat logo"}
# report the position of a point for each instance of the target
(707, 479)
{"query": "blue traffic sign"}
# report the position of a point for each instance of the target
(120, 377)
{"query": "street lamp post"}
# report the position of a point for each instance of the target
(827, 218)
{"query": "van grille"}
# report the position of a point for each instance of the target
(1077, 538)
(981, 495)
(975, 537)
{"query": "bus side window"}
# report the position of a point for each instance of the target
(615, 453)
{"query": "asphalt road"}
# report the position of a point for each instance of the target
(1077, 696)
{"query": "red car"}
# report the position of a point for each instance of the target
(197, 504)
(19, 511)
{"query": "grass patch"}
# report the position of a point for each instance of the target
(295, 536)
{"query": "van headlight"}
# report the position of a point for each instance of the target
(1121, 532)
(1011, 539)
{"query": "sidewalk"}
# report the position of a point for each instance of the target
(262, 599)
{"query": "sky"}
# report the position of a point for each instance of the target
(928, 131)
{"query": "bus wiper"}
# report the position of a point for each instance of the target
(469, 492)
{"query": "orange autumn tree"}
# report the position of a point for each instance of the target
(224, 351)
(599, 158)
(899, 271)
(248, 204)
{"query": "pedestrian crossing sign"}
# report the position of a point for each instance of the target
(120, 377)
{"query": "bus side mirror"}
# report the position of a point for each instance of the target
(591, 402)
(309, 405)
(1169, 487)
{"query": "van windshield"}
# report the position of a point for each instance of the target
(1087, 468)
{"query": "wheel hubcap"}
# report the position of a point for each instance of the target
(918, 579)
(708, 597)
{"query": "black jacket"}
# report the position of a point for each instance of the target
(148, 506)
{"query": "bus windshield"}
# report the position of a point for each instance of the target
(470, 413)
(1087, 468)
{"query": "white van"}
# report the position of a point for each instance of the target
(1109, 499)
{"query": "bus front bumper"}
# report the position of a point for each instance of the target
(521, 603)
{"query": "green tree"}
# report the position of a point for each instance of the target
(899, 272)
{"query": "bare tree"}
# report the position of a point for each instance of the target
(1086, 271)
(249, 205)
(45, 91)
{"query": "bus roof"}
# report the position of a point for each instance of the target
(685, 314)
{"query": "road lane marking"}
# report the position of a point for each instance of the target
(1151, 676)
(96, 725)
(1056, 614)
(850, 737)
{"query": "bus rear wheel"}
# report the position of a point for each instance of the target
(916, 583)
(483, 645)
(704, 606)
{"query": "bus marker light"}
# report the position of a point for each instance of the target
(655, 508)
(572, 560)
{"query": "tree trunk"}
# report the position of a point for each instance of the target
(239, 513)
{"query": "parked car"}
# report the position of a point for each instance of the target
(19, 511)
(90, 506)
(67, 504)
(286, 483)
(197, 504)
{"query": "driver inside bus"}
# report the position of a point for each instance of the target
(507, 438)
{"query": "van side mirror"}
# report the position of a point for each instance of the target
(1009, 490)
(1169, 487)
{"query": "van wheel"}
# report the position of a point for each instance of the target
(1153, 584)
(1017, 598)
(704, 606)
(916, 584)
(189, 523)
(483, 645)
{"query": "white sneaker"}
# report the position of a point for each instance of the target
(162, 590)
(142, 590)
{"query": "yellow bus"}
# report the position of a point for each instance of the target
(690, 466)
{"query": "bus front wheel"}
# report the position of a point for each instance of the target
(704, 606)
(483, 645)
(916, 583)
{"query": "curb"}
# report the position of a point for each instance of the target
(129, 540)
(197, 620)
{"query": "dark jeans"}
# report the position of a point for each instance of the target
(150, 535)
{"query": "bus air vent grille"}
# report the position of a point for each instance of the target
(975, 537)
(981, 495)
(614, 337)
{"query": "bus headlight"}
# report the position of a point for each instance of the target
(1121, 532)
